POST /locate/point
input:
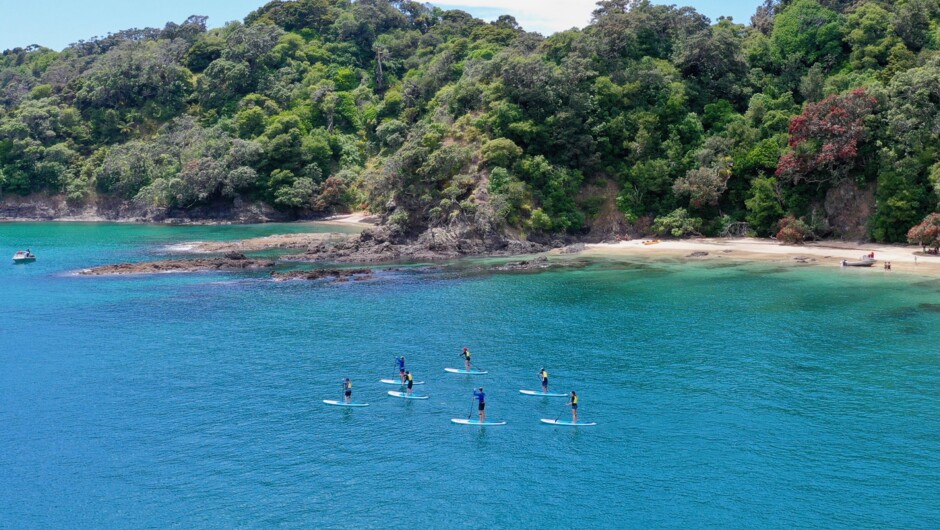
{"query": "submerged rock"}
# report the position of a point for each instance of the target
(540, 262)
(339, 275)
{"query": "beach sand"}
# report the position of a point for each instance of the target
(360, 220)
(903, 258)
(363, 219)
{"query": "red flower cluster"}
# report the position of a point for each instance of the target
(825, 138)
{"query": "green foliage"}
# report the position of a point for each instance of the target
(764, 207)
(677, 223)
(298, 194)
(436, 118)
(806, 33)
(501, 152)
(900, 200)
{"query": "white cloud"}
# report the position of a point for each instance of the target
(545, 16)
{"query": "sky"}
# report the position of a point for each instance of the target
(58, 23)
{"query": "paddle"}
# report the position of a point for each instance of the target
(471, 408)
(559, 415)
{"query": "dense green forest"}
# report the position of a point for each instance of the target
(814, 113)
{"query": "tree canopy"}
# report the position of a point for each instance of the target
(432, 117)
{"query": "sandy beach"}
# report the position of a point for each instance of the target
(359, 220)
(363, 219)
(903, 258)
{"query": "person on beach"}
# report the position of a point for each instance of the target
(410, 380)
(574, 406)
(347, 390)
(480, 396)
(401, 367)
(466, 358)
(544, 376)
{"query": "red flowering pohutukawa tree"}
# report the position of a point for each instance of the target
(826, 139)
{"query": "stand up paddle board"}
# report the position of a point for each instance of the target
(336, 403)
(407, 396)
(397, 382)
(465, 372)
(568, 423)
(462, 421)
(540, 393)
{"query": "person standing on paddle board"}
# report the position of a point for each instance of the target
(544, 376)
(574, 406)
(401, 367)
(466, 358)
(410, 379)
(481, 397)
(347, 390)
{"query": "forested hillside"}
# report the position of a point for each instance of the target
(816, 118)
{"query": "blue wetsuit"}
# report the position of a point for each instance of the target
(482, 397)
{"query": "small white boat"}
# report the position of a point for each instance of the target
(864, 262)
(24, 256)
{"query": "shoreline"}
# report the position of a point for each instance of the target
(905, 259)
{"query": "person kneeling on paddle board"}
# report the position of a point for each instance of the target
(544, 375)
(347, 390)
(466, 358)
(410, 379)
(479, 395)
(401, 367)
(574, 406)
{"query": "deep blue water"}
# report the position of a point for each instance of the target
(744, 396)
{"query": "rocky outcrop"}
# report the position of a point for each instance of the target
(229, 262)
(385, 244)
(848, 209)
(257, 244)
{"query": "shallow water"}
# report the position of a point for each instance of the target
(725, 396)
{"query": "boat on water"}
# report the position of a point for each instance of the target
(866, 262)
(24, 256)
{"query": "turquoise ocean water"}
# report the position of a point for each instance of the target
(734, 396)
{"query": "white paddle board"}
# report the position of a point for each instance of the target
(407, 396)
(397, 382)
(462, 421)
(568, 423)
(336, 403)
(540, 393)
(466, 372)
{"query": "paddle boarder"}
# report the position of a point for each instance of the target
(544, 376)
(347, 390)
(401, 367)
(574, 406)
(410, 379)
(481, 397)
(466, 358)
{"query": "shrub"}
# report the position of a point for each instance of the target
(793, 231)
(677, 223)
(927, 233)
